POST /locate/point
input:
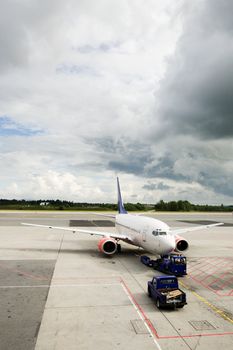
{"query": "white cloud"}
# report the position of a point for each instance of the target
(88, 75)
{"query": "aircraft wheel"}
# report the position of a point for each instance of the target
(158, 304)
(118, 248)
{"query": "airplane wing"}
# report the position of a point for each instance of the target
(196, 228)
(89, 232)
(101, 214)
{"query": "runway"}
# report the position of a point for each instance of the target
(58, 292)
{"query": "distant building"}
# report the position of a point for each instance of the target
(43, 204)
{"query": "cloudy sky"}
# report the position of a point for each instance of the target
(94, 89)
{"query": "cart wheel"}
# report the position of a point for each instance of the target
(158, 303)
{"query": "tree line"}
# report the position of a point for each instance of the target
(14, 204)
(187, 206)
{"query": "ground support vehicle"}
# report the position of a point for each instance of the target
(171, 264)
(164, 290)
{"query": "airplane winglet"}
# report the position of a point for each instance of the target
(121, 209)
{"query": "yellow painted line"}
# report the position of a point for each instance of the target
(205, 301)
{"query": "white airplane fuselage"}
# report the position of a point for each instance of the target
(150, 234)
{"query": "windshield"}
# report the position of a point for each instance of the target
(159, 233)
(167, 281)
(179, 260)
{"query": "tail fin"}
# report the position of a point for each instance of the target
(121, 209)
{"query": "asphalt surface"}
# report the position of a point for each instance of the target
(58, 292)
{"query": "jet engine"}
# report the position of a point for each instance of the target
(107, 245)
(181, 244)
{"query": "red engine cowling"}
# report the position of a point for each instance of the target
(181, 244)
(107, 246)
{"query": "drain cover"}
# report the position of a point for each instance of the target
(201, 325)
(139, 327)
(214, 286)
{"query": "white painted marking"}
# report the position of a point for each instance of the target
(61, 285)
(91, 285)
(142, 318)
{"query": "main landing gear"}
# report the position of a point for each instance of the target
(118, 248)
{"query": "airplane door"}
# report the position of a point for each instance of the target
(144, 232)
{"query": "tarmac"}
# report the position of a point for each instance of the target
(57, 291)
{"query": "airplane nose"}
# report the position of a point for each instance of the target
(168, 245)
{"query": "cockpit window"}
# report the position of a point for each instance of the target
(159, 233)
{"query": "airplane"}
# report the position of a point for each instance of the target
(153, 235)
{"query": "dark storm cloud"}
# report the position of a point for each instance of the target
(102, 47)
(160, 186)
(140, 166)
(165, 169)
(218, 181)
(13, 36)
(135, 157)
(123, 155)
(23, 25)
(196, 95)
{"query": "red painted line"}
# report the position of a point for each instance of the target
(146, 319)
(193, 265)
(227, 282)
(204, 285)
(217, 279)
(195, 335)
(198, 266)
(220, 285)
(218, 260)
(205, 269)
(201, 276)
(226, 294)
(208, 286)
(200, 272)
(214, 271)
(153, 330)
(209, 263)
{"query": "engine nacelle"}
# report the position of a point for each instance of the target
(107, 245)
(181, 244)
